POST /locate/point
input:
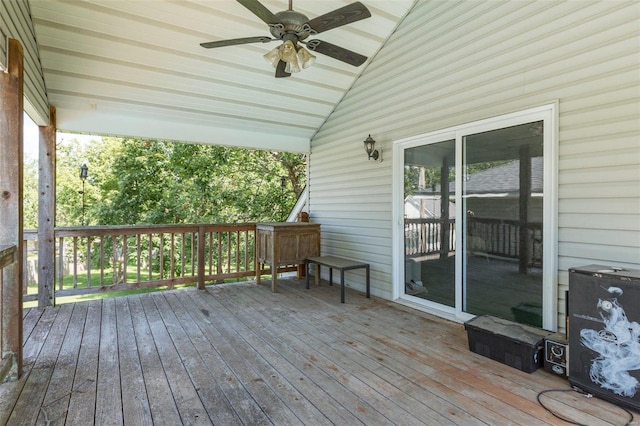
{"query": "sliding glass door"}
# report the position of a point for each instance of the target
(478, 219)
(429, 222)
(502, 188)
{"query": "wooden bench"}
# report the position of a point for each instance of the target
(333, 262)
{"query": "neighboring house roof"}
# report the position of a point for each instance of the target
(504, 179)
(431, 206)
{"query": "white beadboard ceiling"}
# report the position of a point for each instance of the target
(135, 68)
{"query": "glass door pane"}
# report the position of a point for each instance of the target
(502, 192)
(429, 222)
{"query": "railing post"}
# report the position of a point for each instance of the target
(201, 256)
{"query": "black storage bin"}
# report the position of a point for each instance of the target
(516, 345)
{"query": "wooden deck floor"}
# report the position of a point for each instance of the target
(239, 354)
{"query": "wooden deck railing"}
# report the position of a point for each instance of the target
(424, 236)
(99, 258)
(500, 238)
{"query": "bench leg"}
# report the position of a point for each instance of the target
(306, 271)
(368, 285)
(330, 276)
(341, 285)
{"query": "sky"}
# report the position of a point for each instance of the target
(32, 136)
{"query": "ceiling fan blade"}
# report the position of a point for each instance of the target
(339, 17)
(280, 72)
(234, 41)
(259, 10)
(337, 52)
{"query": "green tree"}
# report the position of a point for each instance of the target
(135, 181)
(30, 194)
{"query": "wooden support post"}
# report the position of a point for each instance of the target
(47, 212)
(525, 201)
(11, 221)
(444, 209)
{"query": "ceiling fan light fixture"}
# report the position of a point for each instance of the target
(297, 58)
(305, 58)
(292, 67)
(273, 56)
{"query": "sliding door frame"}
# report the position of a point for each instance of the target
(546, 113)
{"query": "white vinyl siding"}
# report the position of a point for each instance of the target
(15, 22)
(451, 63)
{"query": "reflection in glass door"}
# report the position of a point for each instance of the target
(429, 222)
(502, 201)
(477, 203)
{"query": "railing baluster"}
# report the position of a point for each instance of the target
(89, 243)
(229, 243)
(161, 248)
(125, 256)
(182, 257)
(237, 250)
(138, 257)
(219, 260)
(102, 261)
(150, 257)
(172, 253)
(115, 261)
(60, 263)
(211, 245)
(193, 253)
(201, 257)
(246, 249)
(75, 262)
(25, 269)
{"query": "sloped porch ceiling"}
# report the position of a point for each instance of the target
(135, 68)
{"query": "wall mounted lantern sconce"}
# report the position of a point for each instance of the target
(373, 153)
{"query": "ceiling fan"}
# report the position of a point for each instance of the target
(293, 28)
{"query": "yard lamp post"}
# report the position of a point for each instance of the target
(84, 172)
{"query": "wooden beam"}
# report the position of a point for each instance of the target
(47, 212)
(525, 201)
(444, 209)
(11, 217)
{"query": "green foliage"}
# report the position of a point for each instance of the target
(135, 181)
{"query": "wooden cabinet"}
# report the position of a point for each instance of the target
(286, 243)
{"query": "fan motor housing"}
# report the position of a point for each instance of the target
(290, 21)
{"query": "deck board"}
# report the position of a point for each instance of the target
(382, 398)
(195, 353)
(108, 390)
(135, 404)
(163, 408)
(59, 391)
(82, 400)
(239, 354)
